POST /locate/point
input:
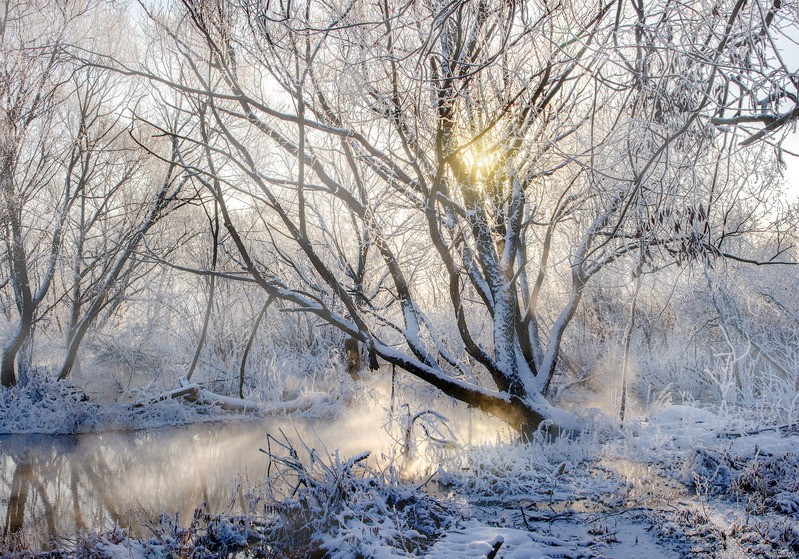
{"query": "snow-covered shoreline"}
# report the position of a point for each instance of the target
(46, 406)
(675, 485)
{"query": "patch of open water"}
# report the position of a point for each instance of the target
(53, 487)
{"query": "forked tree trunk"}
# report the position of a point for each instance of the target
(163, 198)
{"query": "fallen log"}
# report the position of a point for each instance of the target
(249, 406)
(190, 392)
(193, 393)
(229, 404)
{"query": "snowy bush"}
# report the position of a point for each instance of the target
(770, 539)
(326, 506)
(43, 405)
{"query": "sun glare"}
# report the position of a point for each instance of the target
(480, 161)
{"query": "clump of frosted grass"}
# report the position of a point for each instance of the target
(42, 405)
(544, 469)
(323, 505)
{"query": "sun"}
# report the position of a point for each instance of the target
(480, 161)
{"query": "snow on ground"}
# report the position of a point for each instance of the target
(477, 540)
(682, 483)
(620, 537)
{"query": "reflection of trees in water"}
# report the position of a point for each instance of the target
(56, 486)
(15, 512)
(33, 468)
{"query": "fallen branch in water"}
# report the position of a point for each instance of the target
(190, 392)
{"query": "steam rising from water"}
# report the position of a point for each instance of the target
(55, 486)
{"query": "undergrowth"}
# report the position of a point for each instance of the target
(768, 486)
(769, 483)
(326, 506)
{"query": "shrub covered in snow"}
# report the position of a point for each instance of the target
(770, 539)
(52, 407)
(326, 506)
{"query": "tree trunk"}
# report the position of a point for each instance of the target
(100, 299)
(353, 357)
(250, 341)
(520, 414)
(19, 277)
(628, 338)
(14, 343)
(211, 290)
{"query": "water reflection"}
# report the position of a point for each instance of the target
(15, 513)
(52, 487)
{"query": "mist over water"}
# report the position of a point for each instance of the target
(52, 487)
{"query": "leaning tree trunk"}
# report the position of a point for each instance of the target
(12, 346)
(250, 341)
(19, 278)
(100, 300)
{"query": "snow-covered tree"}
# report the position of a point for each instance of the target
(486, 157)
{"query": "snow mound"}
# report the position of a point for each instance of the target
(477, 540)
(681, 414)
